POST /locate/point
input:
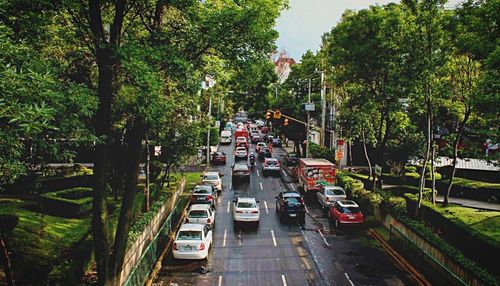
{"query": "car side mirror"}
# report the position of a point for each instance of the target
(258, 202)
(276, 197)
(234, 201)
(221, 175)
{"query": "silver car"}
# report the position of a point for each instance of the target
(270, 165)
(328, 195)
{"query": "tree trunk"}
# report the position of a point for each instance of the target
(100, 220)
(7, 267)
(349, 153)
(424, 165)
(146, 189)
(433, 173)
(366, 155)
(134, 151)
(455, 157)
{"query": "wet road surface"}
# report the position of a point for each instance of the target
(277, 253)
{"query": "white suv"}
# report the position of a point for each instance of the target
(201, 214)
(270, 165)
(214, 179)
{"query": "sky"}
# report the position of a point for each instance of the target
(302, 26)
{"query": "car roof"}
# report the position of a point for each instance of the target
(199, 207)
(333, 188)
(246, 200)
(347, 203)
(203, 186)
(240, 167)
(291, 194)
(270, 159)
(191, 226)
(211, 173)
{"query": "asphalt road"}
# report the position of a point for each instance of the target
(276, 253)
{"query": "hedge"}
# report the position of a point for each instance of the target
(398, 206)
(455, 254)
(70, 203)
(452, 227)
(463, 188)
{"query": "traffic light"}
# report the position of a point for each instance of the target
(268, 115)
(286, 122)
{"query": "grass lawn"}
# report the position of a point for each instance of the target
(192, 179)
(485, 223)
(37, 243)
(474, 184)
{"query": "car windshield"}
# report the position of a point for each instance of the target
(210, 177)
(198, 214)
(246, 205)
(349, 210)
(334, 192)
(272, 162)
(293, 201)
(189, 235)
(241, 149)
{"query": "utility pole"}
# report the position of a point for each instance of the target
(308, 120)
(323, 108)
(208, 131)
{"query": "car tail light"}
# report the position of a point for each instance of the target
(175, 247)
(277, 164)
(255, 212)
(302, 200)
(210, 198)
(327, 199)
(202, 246)
(239, 212)
(209, 220)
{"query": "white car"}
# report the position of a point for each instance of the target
(241, 153)
(225, 139)
(246, 210)
(214, 179)
(192, 241)
(328, 195)
(260, 145)
(270, 165)
(201, 214)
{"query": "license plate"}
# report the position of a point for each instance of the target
(351, 217)
(293, 215)
(201, 198)
(189, 248)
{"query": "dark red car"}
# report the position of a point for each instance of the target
(219, 158)
(345, 212)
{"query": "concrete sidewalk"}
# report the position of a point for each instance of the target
(471, 203)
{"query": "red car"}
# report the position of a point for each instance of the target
(219, 158)
(345, 212)
(264, 130)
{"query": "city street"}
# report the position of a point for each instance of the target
(277, 253)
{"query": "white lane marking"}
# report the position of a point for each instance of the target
(258, 173)
(231, 186)
(262, 188)
(283, 279)
(293, 186)
(228, 206)
(323, 237)
(265, 205)
(348, 279)
(274, 238)
(284, 173)
(224, 239)
(220, 281)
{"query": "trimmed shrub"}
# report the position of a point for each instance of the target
(425, 232)
(70, 203)
(476, 190)
(322, 152)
